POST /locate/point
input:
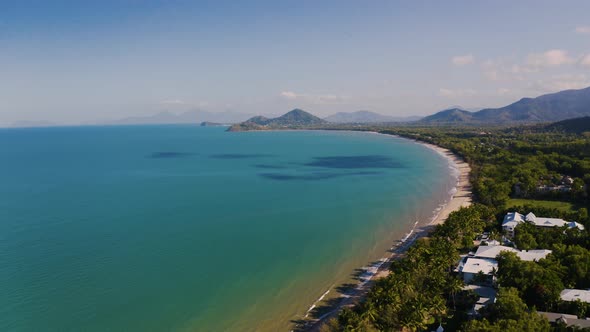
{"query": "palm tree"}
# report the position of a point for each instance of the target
(454, 286)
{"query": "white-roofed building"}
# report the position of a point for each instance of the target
(474, 266)
(493, 251)
(484, 260)
(533, 255)
(513, 219)
(572, 295)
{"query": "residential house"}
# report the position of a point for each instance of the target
(487, 296)
(566, 319)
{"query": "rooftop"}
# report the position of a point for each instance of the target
(554, 316)
(575, 294)
(511, 219)
(533, 255)
(493, 251)
(475, 265)
(487, 295)
(569, 320)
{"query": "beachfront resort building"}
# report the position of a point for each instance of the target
(525, 255)
(483, 261)
(572, 295)
(513, 219)
(479, 266)
(566, 319)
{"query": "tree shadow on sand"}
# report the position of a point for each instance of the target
(346, 291)
(352, 293)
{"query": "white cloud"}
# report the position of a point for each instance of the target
(585, 61)
(583, 29)
(503, 91)
(549, 58)
(314, 98)
(456, 93)
(462, 60)
(289, 94)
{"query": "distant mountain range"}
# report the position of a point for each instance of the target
(294, 119)
(30, 124)
(367, 117)
(193, 116)
(552, 107)
(546, 108)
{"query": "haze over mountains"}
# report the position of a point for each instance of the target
(552, 107)
(367, 117)
(187, 117)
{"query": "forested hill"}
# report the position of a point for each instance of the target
(546, 108)
(294, 119)
(577, 125)
(449, 116)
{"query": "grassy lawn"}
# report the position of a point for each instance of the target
(563, 206)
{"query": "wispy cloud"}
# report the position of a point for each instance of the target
(173, 102)
(549, 58)
(456, 93)
(583, 29)
(462, 60)
(511, 69)
(501, 69)
(561, 82)
(585, 61)
(314, 98)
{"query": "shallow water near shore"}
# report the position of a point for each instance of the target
(186, 228)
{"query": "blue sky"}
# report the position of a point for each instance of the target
(85, 61)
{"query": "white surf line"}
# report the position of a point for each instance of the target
(317, 301)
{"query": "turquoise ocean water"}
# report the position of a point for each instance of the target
(185, 228)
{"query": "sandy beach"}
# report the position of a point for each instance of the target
(461, 198)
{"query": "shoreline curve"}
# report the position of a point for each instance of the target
(462, 197)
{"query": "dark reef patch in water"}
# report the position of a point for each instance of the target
(239, 156)
(312, 176)
(352, 162)
(265, 166)
(169, 154)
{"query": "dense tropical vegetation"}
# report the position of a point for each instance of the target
(535, 164)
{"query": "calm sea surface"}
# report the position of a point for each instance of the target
(184, 228)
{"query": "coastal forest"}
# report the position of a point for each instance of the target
(544, 169)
